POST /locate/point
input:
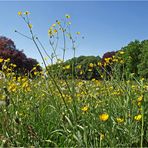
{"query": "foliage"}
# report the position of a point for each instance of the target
(6, 43)
(131, 57)
(23, 65)
(143, 57)
(85, 67)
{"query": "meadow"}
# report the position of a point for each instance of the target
(48, 111)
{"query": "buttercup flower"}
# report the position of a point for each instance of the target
(140, 98)
(138, 117)
(27, 13)
(91, 65)
(67, 16)
(1, 60)
(104, 117)
(19, 13)
(85, 108)
(30, 26)
(78, 33)
(119, 120)
(121, 52)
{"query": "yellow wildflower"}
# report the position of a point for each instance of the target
(101, 136)
(68, 23)
(58, 22)
(101, 76)
(122, 61)
(1, 60)
(140, 98)
(12, 87)
(89, 69)
(7, 60)
(104, 117)
(19, 13)
(55, 31)
(138, 117)
(79, 66)
(121, 52)
(119, 120)
(85, 108)
(67, 67)
(142, 79)
(78, 33)
(99, 64)
(139, 104)
(50, 33)
(53, 25)
(67, 16)
(81, 72)
(93, 80)
(27, 13)
(91, 65)
(30, 26)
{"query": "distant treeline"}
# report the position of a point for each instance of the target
(129, 61)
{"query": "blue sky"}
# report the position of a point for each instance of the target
(106, 26)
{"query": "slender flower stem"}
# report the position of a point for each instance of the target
(142, 129)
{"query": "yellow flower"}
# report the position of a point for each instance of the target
(142, 79)
(50, 33)
(27, 13)
(93, 80)
(30, 26)
(78, 33)
(101, 76)
(1, 60)
(139, 104)
(19, 13)
(104, 117)
(53, 25)
(67, 16)
(12, 87)
(89, 69)
(140, 98)
(68, 23)
(121, 61)
(107, 60)
(121, 52)
(119, 120)
(91, 65)
(7, 60)
(138, 117)
(85, 108)
(101, 136)
(58, 22)
(81, 72)
(67, 67)
(79, 66)
(55, 31)
(99, 64)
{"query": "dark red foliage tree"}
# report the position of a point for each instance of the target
(6, 43)
(106, 66)
(108, 55)
(23, 64)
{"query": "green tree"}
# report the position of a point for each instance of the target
(143, 57)
(131, 57)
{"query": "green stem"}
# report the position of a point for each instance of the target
(142, 130)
